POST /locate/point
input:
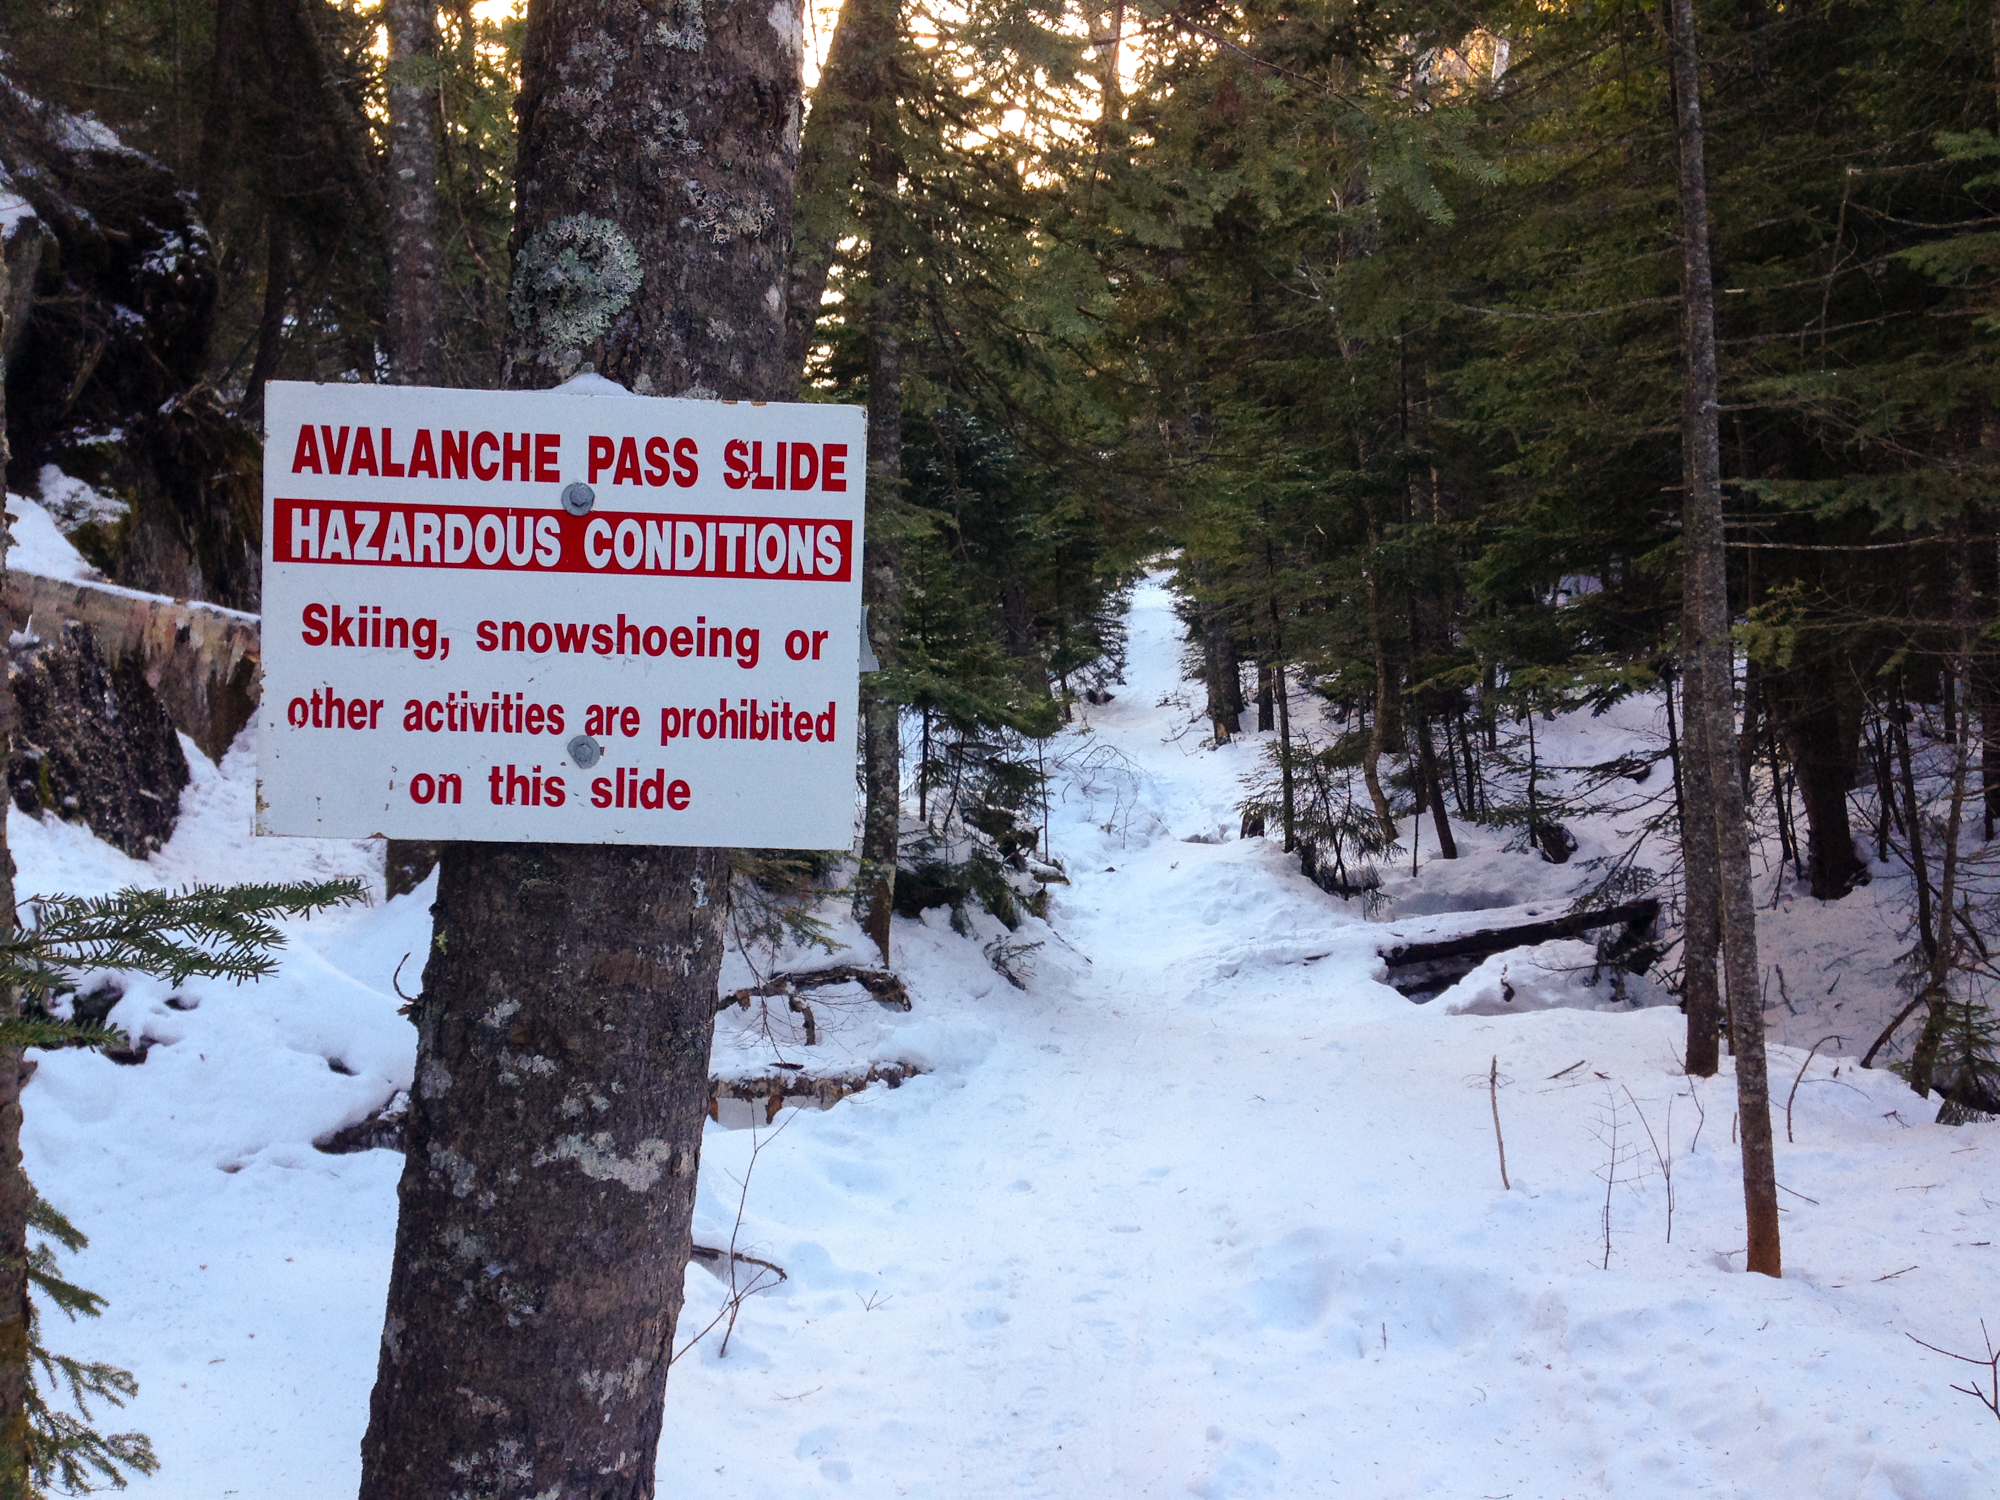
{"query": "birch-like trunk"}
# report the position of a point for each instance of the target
(415, 285)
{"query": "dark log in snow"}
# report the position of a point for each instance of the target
(1421, 970)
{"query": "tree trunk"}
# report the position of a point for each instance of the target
(857, 85)
(271, 325)
(563, 1031)
(1385, 690)
(415, 356)
(1710, 710)
(1937, 988)
(15, 1192)
(1288, 804)
(882, 560)
(1822, 722)
(1701, 998)
(1427, 756)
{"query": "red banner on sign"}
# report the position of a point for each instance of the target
(512, 539)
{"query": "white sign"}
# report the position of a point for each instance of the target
(556, 617)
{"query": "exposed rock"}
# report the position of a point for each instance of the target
(105, 357)
(92, 743)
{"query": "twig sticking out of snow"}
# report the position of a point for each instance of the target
(1664, 1158)
(1989, 1397)
(1800, 1079)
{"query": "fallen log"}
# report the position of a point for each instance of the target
(773, 1091)
(382, 1130)
(883, 987)
(204, 661)
(1425, 968)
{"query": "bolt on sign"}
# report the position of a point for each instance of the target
(545, 615)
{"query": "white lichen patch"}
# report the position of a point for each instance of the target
(482, 1406)
(461, 1243)
(605, 1386)
(573, 277)
(462, 1172)
(720, 219)
(501, 1014)
(788, 20)
(692, 33)
(434, 1079)
(597, 1157)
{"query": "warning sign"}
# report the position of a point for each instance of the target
(559, 617)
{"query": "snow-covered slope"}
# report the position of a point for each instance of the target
(1204, 1209)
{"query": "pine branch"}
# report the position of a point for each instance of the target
(205, 931)
(67, 1454)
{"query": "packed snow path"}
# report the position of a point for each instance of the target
(1206, 1209)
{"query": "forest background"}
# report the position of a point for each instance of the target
(1373, 312)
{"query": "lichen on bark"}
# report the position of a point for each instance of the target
(570, 280)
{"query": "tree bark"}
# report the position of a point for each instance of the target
(882, 561)
(271, 325)
(415, 355)
(1428, 769)
(16, 1194)
(857, 84)
(569, 995)
(1710, 710)
(1822, 726)
(1943, 954)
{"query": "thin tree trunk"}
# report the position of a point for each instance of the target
(1701, 921)
(568, 1001)
(882, 560)
(16, 1194)
(415, 285)
(857, 85)
(1957, 705)
(1469, 808)
(1913, 831)
(1709, 700)
(223, 116)
(1427, 755)
(1288, 808)
(271, 326)
(1378, 736)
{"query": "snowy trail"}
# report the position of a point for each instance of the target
(1206, 1210)
(1208, 1218)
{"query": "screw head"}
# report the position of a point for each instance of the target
(578, 498)
(585, 752)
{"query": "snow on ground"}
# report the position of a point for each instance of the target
(1205, 1209)
(39, 545)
